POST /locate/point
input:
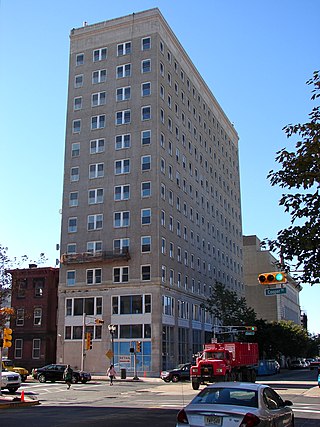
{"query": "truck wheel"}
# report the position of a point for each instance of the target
(239, 376)
(195, 384)
(253, 376)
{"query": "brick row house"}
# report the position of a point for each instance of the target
(34, 328)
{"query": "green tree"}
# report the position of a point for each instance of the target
(300, 174)
(226, 306)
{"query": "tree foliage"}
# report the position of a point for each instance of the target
(300, 175)
(228, 308)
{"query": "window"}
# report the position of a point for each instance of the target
(145, 216)
(95, 196)
(97, 146)
(163, 246)
(145, 189)
(146, 66)
(163, 273)
(146, 113)
(94, 247)
(76, 126)
(77, 103)
(122, 141)
(78, 81)
(98, 122)
(145, 163)
(94, 276)
(36, 344)
(72, 225)
(120, 274)
(79, 59)
(37, 316)
(124, 48)
(122, 192)
(95, 222)
(122, 166)
(75, 149)
(123, 93)
(73, 199)
(96, 170)
(100, 54)
(20, 317)
(98, 99)
(121, 245)
(123, 117)
(146, 43)
(146, 89)
(145, 272)
(121, 219)
(18, 346)
(123, 71)
(99, 76)
(145, 137)
(146, 244)
(171, 277)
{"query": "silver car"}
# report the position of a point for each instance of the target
(237, 404)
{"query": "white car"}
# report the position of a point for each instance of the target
(10, 381)
(236, 404)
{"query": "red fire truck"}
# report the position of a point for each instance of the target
(228, 361)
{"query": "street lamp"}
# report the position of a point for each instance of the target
(112, 330)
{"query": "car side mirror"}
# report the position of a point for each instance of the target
(287, 403)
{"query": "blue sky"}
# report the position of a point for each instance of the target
(255, 56)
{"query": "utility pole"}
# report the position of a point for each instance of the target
(83, 354)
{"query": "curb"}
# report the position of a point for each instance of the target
(12, 404)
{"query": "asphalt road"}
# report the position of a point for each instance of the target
(133, 404)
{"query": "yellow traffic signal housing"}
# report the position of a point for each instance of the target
(88, 341)
(99, 321)
(273, 278)
(138, 347)
(7, 337)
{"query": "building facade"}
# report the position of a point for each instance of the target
(284, 306)
(34, 325)
(151, 215)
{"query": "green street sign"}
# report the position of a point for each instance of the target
(276, 291)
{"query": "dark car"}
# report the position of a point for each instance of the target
(181, 373)
(54, 372)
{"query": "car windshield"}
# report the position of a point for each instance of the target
(227, 396)
(8, 363)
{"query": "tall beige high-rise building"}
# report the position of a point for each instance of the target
(151, 214)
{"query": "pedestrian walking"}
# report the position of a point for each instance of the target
(111, 372)
(67, 376)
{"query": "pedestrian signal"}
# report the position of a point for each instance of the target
(272, 278)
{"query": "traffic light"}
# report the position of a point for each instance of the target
(99, 321)
(88, 341)
(138, 347)
(7, 337)
(274, 278)
(251, 328)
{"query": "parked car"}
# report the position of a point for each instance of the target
(233, 404)
(298, 364)
(54, 372)
(10, 380)
(315, 364)
(10, 366)
(181, 373)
